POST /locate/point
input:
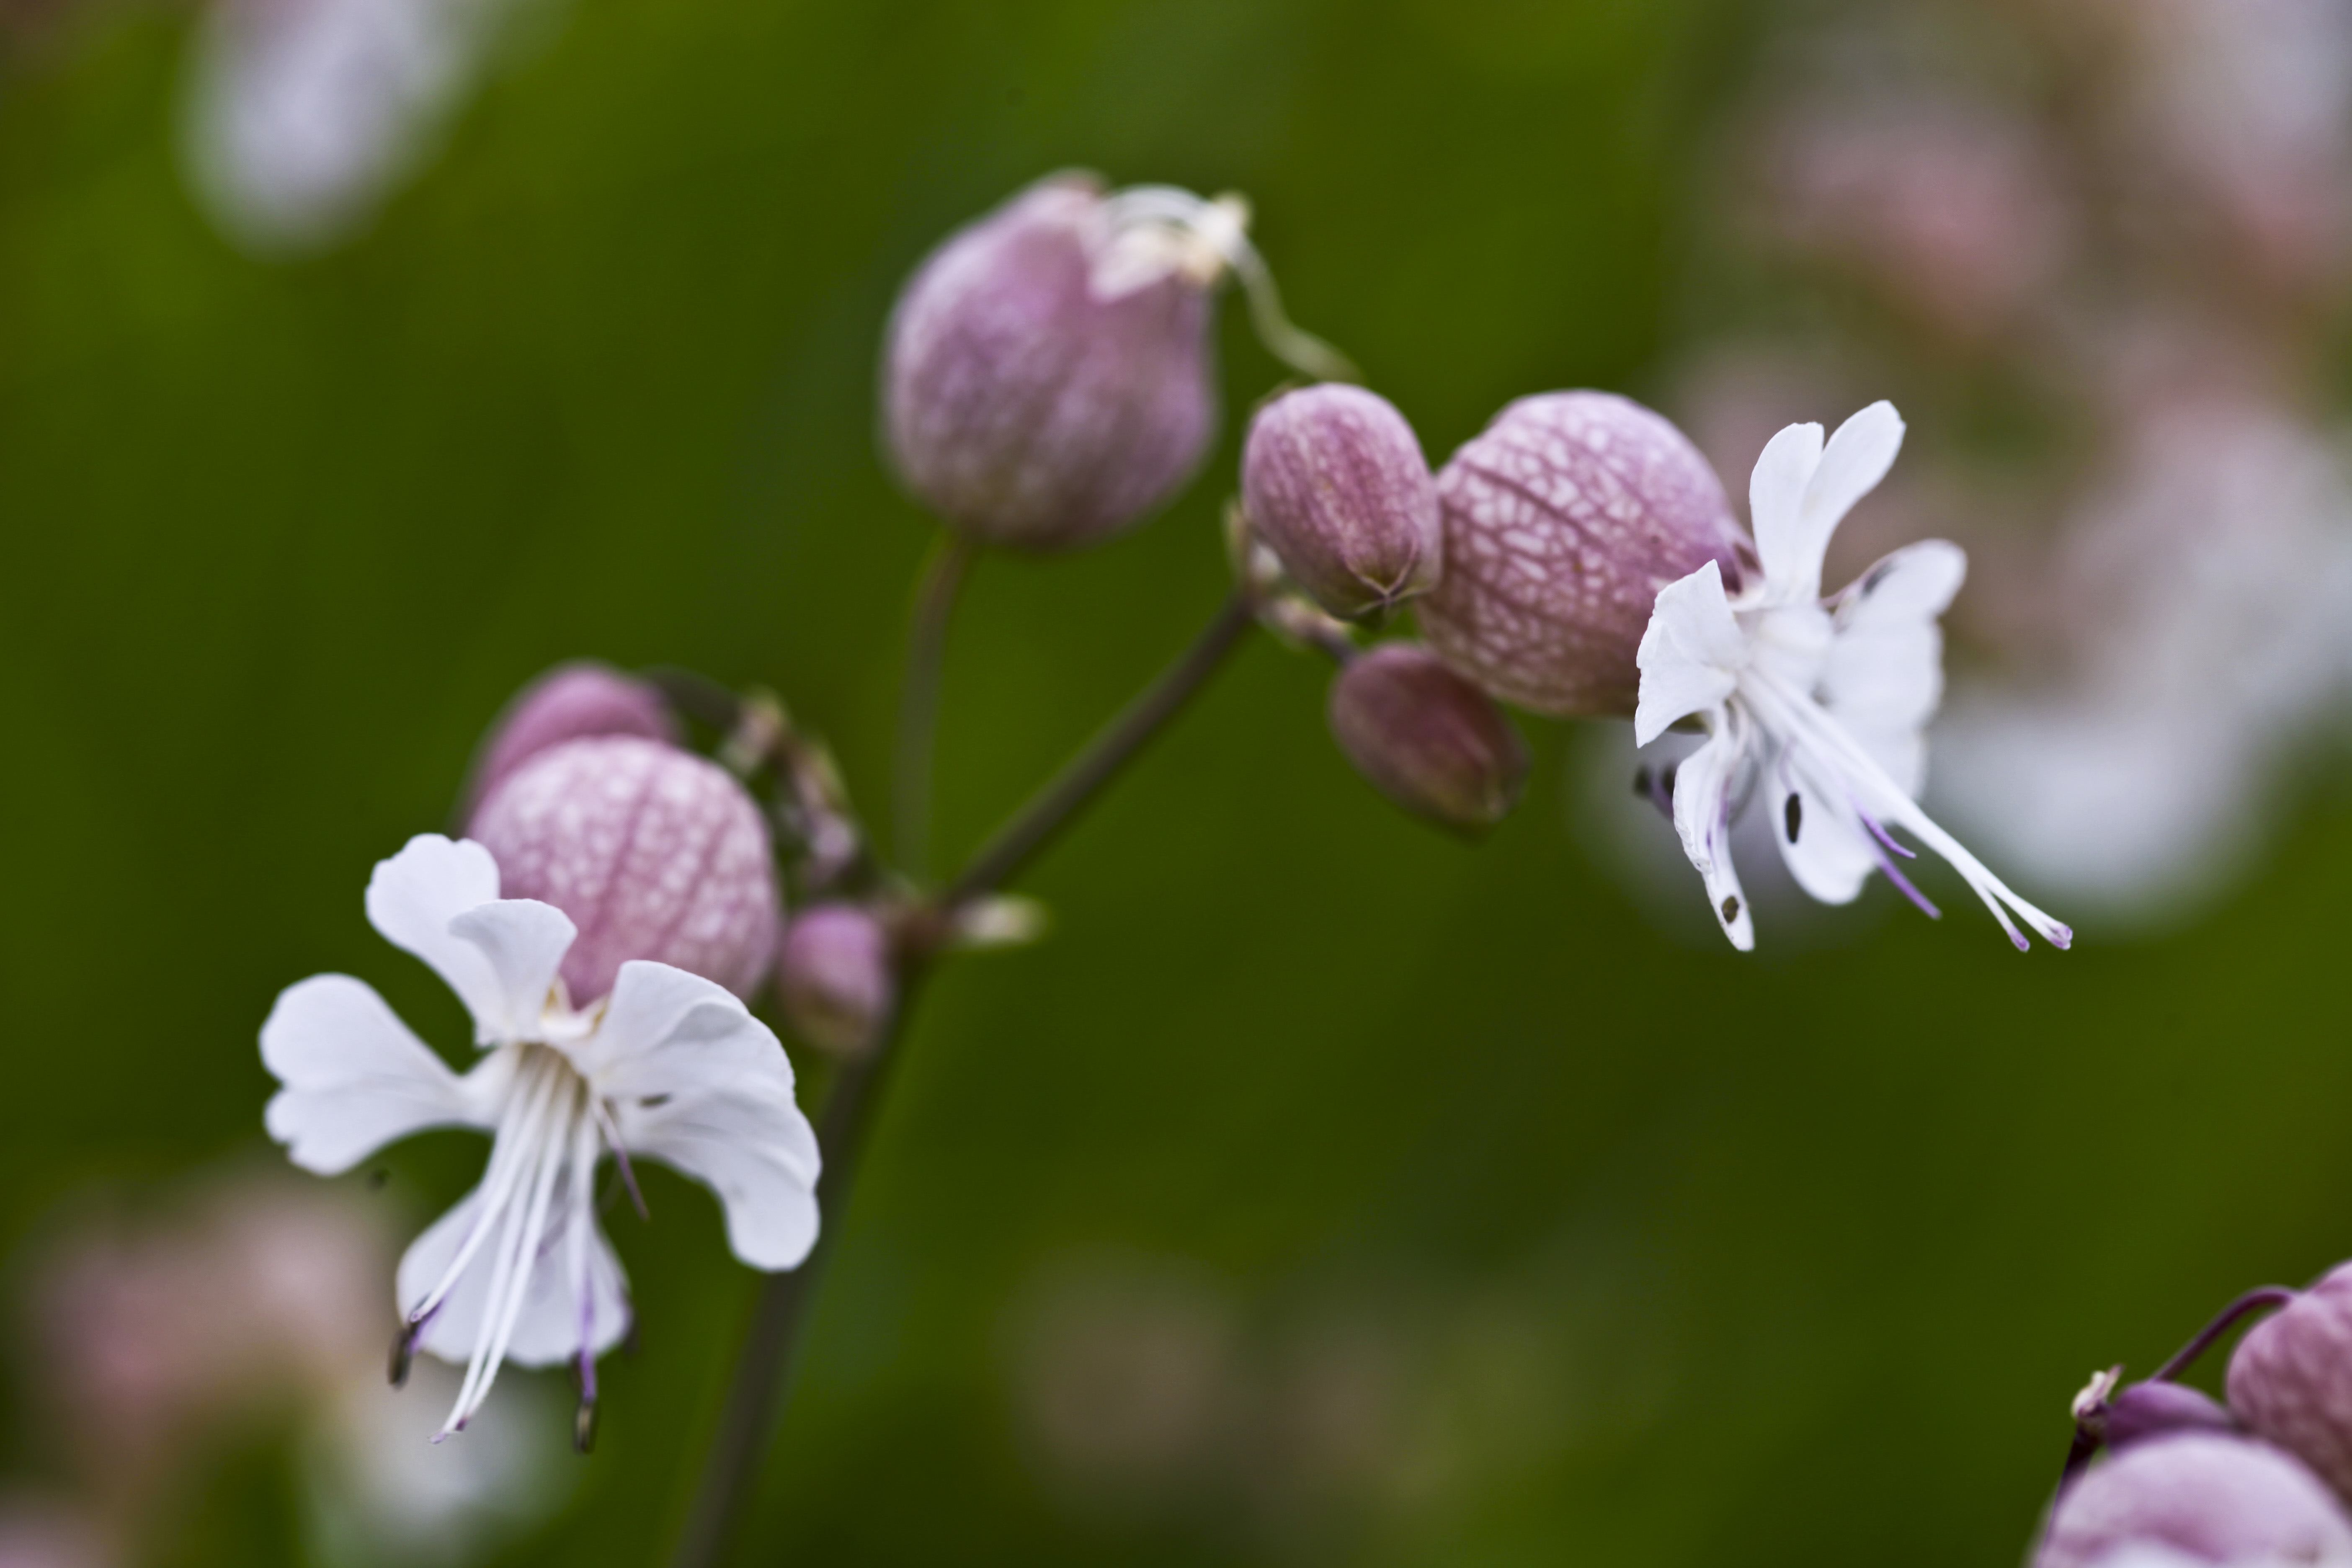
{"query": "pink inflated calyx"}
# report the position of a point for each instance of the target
(836, 976)
(1427, 739)
(1562, 521)
(2291, 1378)
(570, 702)
(1036, 394)
(2202, 1496)
(654, 853)
(1333, 480)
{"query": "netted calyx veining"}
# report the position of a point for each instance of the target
(1563, 518)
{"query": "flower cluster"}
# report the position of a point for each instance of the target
(614, 897)
(617, 900)
(1579, 558)
(2265, 1479)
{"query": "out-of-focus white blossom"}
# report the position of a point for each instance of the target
(302, 115)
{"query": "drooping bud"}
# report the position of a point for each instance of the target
(1047, 374)
(2291, 1378)
(2209, 1497)
(1563, 518)
(570, 702)
(1334, 480)
(1427, 739)
(2156, 1409)
(836, 976)
(653, 852)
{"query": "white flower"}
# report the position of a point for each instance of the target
(669, 1066)
(1820, 703)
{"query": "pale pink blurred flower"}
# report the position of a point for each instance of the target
(1947, 205)
(152, 1332)
(43, 1533)
(2247, 105)
(2211, 571)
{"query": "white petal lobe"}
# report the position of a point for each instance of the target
(524, 942)
(1702, 817)
(1776, 502)
(412, 897)
(355, 1078)
(1690, 654)
(702, 1086)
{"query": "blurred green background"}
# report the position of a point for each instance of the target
(1498, 1226)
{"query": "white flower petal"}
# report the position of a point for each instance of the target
(1690, 653)
(1776, 504)
(1883, 675)
(1822, 842)
(355, 1078)
(525, 941)
(412, 897)
(548, 1332)
(1856, 459)
(697, 1083)
(1702, 818)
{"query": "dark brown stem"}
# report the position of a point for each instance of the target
(919, 701)
(1053, 809)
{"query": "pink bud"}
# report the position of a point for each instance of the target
(1040, 390)
(2149, 1410)
(2291, 1378)
(836, 976)
(653, 852)
(575, 700)
(2209, 1497)
(1334, 480)
(1427, 739)
(1563, 518)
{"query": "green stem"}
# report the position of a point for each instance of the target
(763, 1366)
(1053, 809)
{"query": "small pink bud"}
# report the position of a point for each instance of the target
(575, 700)
(1334, 480)
(2150, 1410)
(2291, 1378)
(836, 976)
(2209, 1497)
(653, 852)
(1427, 739)
(1563, 518)
(1045, 383)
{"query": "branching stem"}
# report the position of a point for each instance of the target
(763, 1365)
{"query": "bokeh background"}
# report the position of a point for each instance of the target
(1323, 1191)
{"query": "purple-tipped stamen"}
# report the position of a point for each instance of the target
(403, 1348)
(1878, 831)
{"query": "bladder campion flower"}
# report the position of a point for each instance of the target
(653, 852)
(1817, 703)
(669, 1066)
(1563, 518)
